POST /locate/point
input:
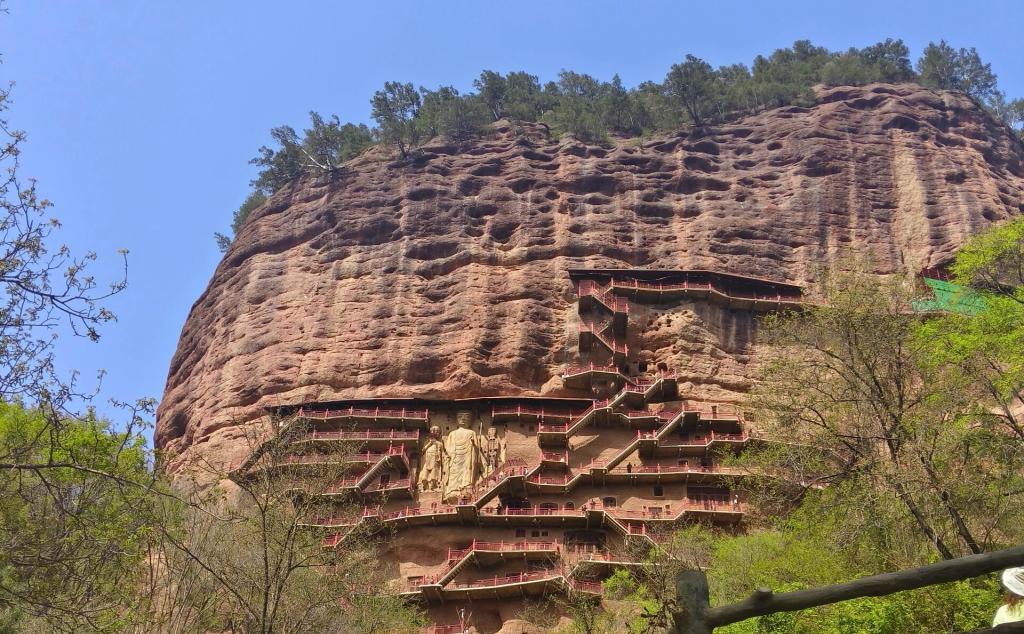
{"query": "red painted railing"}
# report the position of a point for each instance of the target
(561, 428)
(603, 295)
(416, 511)
(393, 434)
(404, 483)
(555, 456)
(716, 411)
(519, 410)
(333, 520)
(593, 587)
(574, 370)
(375, 412)
(343, 484)
(541, 479)
(550, 428)
(707, 439)
(504, 547)
(686, 468)
(612, 345)
(696, 286)
(533, 510)
(332, 540)
(509, 579)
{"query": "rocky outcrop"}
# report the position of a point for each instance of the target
(446, 277)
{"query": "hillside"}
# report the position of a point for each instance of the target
(447, 278)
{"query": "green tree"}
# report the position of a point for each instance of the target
(736, 90)
(322, 148)
(941, 66)
(579, 107)
(249, 556)
(787, 75)
(525, 100)
(328, 143)
(891, 58)
(75, 515)
(988, 346)
(619, 109)
(693, 86)
(446, 113)
(281, 166)
(493, 90)
(853, 398)
(813, 546)
(848, 69)
(394, 109)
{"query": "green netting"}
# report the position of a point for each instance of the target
(949, 297)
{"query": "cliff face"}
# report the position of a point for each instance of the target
(447, 278)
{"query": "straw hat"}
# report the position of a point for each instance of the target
(1013, 579)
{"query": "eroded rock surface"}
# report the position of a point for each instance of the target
(446, 278)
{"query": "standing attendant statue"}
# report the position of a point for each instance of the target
(493, 451)
(462, 449)
(432, 461)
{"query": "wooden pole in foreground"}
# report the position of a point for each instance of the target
(699, 618)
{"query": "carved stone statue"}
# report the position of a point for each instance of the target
(462, 449)
(493, 450)
(432, 461)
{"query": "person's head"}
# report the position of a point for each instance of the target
(1013, 581)
(435, 431)
(492, 432)
(462, 418)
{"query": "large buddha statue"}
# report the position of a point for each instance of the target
(432, 461)
(462, 449)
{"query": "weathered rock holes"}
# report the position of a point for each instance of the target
(487, 169)
(817, 168)
(705, 147)
(869, 103)
(501, 230)
(901, 122)
(694, 184)
(774, 145)
(654, 210)
(434, 250)
(469, 186)
(417, 194)
(699, 163)
(375, 231)
(600, 183)
(522, 185)
(532, 155)
(480, 208)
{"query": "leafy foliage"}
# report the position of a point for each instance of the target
(811, 548)
(395, 109)
(74, 519)
(942, 66)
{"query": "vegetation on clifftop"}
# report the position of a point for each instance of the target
(693, 93)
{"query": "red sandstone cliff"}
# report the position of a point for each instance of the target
(447, 278)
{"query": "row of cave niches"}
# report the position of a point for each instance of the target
(525, 530)
(579, 479)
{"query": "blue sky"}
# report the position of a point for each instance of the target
(142, 116)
